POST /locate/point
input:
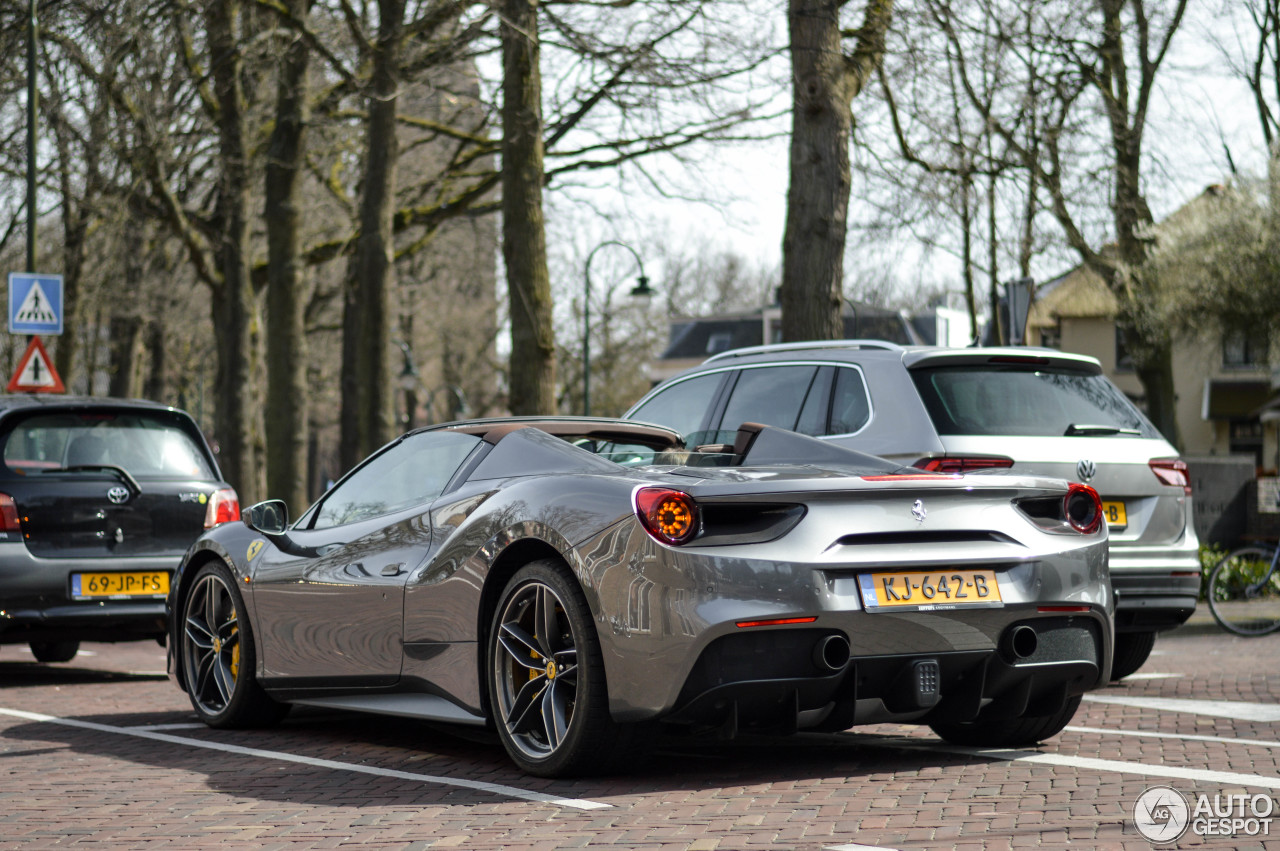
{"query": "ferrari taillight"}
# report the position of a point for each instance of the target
(1083, 508)
(1172, 471)
(9, 514)
(224, 506)
(669, 516)
(964, 463)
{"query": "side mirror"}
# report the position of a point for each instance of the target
(269, 518)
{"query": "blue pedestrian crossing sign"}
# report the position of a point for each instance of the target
(35, 303)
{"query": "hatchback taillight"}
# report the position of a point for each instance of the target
(964, 463)
(1172, 471)
(224, 506)
(9, 514)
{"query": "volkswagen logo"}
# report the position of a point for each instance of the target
(918, 511)
(1086, 470)
(118, 495)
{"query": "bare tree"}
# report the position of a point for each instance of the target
(524, 242)
(1113, 53)
(825, 80)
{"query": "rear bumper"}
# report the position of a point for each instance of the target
(1156, 588)
(35, 602)
(752, 681)
(102, 621)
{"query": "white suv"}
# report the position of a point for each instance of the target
(1036, 411)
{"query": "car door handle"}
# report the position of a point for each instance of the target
(393, 569)
(355, 569)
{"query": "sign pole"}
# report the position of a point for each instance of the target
(32, 101)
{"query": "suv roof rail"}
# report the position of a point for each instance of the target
(882, 345)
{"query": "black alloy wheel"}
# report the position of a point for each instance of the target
(218, 655)
(546, 678)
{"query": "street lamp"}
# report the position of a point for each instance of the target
(411, 383)
(641, 290)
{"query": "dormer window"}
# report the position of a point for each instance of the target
(1242, 350)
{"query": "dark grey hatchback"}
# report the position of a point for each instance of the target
(99, 499)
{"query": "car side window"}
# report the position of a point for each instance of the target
(415, 470)
(771, 395)
(682, 406)
(850, 406)
(813, 416)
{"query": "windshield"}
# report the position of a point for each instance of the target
(1012, 400)
(145, 445)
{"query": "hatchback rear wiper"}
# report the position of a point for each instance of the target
(1078, 429)
(120, 472)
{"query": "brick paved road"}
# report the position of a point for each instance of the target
(122, 765)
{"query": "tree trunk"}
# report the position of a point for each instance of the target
(237, 422)
(126, 357)
(524, 245)
(818, 193)
(156, 387)
(286, 404)
(1155, 371)
(366, 364)
(824, 82)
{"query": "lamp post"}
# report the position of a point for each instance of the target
(640, 290)
(411, 383)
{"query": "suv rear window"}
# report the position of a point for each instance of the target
(1008, 400)
(143, 444)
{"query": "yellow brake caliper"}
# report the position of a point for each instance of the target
(235, 654)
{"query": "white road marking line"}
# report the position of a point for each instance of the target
(493, 788)
(1235, 709)
(1151, 676)
(155, 728)
(1196, 775)
(1183, 736)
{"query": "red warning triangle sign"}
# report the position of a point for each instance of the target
(35, 373)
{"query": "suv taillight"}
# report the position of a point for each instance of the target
(224, 506)
(9, 514)
(1172, 471)
(964, 463)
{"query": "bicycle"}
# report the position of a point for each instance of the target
(1244, 591)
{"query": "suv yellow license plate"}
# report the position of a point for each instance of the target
(152, 583)
(1114, 513)
(925, 591)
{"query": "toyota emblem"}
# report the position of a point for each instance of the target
(1086, 470)
(118, 495)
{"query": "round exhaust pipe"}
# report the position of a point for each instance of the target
(1020, 643)
(831, 653)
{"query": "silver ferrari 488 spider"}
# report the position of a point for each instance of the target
(578, 584)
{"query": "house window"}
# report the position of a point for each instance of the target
(1124, 360)
(1243, 351)
(1051, 336)
(720, 341)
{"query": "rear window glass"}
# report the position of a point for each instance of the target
(994, 400)
(143, 444)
